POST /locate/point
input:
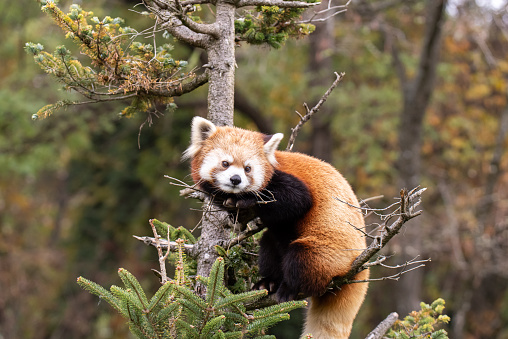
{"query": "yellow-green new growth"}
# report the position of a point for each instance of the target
(423, 323)
(119, 68)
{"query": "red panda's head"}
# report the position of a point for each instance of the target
(232, 159)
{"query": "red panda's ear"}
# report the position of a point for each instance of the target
(271, 146)
(201, 129)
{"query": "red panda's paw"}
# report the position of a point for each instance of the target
(233, 202)
(266, 284)
(284, 293)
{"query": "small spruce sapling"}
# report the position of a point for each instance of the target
(175, 311)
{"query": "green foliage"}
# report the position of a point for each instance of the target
(421, 324)
(120, 68)
(175, 311)
(174, 233)
(242, 268)
(271, 25)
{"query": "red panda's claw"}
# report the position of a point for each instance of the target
(230, 203)
(245, 203)
(284, 293)
(265, 284)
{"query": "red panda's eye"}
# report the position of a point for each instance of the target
(247, 169)
(225, 164)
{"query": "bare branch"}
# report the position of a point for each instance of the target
(278, 3)
(371, 8)
(162, 257)
(188, 191)
(253, 227)
(311, 112)
(405, 268)
(163, 244)
(195, 2)
(408, 203)
(383, 327)
(327, 13)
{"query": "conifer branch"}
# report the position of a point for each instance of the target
(180, 12)
(209, 29)
(170, 20)
(182, 88)
(253, 227)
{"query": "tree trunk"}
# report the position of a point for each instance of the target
(221, 60)
(417, 94)
(222, 63)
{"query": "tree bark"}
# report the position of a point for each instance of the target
(221, 91)
(218, 40)
(221, 59)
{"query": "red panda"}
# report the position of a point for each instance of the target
(311, 236)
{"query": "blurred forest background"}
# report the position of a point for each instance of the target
(75, 187)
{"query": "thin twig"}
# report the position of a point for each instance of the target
(407, 210)
(163, 243)
(311, 112)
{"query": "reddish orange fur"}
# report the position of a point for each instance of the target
(334, 243)
(326, 234)
(228, 139)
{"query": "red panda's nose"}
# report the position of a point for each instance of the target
(235, 179)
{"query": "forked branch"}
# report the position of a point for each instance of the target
(406, 210)
(162, 257)
(310, 112)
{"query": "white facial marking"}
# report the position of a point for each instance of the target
(224, 182)
(210, 163)
(257, 173)
(218, 168)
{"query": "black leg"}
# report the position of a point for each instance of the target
(270, 263)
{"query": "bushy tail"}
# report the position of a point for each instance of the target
(331, 316)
